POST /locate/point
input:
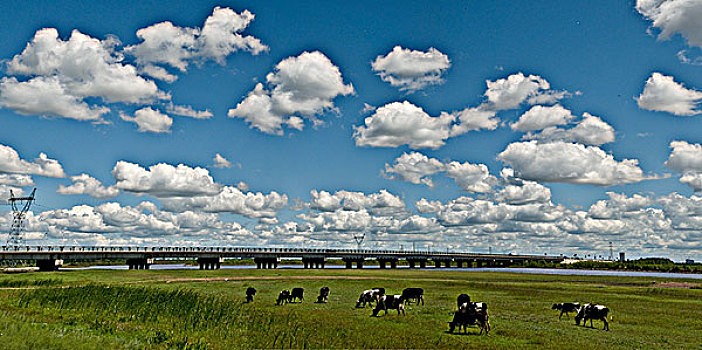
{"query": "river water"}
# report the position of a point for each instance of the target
(572, 272)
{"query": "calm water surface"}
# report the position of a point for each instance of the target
(574, 272)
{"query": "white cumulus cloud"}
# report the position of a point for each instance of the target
(11, 163)
(569, 162)
(661, 93)
(411, 70)
(674, 16)
(541, 117)
(167, 44)
(301, 86)
(164, 180)
(150, 120)
(590, 130)
(400, 123)
(86, 184)
(687, 159)
(221, 162)
(414, 167)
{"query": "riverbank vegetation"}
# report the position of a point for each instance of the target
(644, 264)
(194, 309)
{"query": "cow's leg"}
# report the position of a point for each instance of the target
(606, 325)
(591, 326)
(559, 316)
(421, 297)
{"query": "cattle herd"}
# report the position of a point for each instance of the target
(467, 313)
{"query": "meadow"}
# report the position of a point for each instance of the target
(193, 309)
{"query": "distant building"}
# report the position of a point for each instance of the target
(689, 261)
(622, 257)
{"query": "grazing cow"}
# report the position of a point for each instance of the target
(393, 302)
(471, 314)
(592, 312)
(416, 294)
(462, 299)
(368, 296)
(250, 292)
(283, 297)
(565, 308)
(297, 293)
(323, 295)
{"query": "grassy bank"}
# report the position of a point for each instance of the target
(204, 309)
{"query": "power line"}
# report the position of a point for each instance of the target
(20, 207)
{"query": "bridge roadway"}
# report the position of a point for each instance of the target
(50, 258)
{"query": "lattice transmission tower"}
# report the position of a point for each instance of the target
(20, 207)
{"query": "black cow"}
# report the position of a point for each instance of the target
(471, 314)
(283, 297)
(565, 308)
(297, 293)
(462, 299)
(592, 312)
(250, 292)
(323, 295)
(416, 294)
(393, 302)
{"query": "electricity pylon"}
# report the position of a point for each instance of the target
(20, 207)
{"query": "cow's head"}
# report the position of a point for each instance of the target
(554, 307)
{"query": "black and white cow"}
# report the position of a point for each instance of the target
(592, 312)
(283, 297)
(369, 296)
(250, 292)
(462, 299)
(323, 295)
(416, 294)
(393, 302)
(565, 308)
(297, 293)
(471, 314)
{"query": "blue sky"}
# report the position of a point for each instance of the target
(634, 67)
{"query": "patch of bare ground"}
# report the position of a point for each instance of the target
(685, 285)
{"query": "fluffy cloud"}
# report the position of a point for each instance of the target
(18, 180)
(674, 16)
(528, 192)
(687, 159)
(65, 72)
(221, 162)
(411, 70)
(590, 130)
(86, 184)
(304, 85)
(164, 180)
(425, 206)
(471, 177)
(167, 44)
(568, 162)
(473, 119)
(414, 167)
(47, 97)
(150, 120)
(400, 123)
(11, 163)
(417, 168)
(187, 111)
(511, 92)
(542, 117)
(661, 93)
(231, 200)
(382, 202)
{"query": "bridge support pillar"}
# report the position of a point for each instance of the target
(422, 264)
(359, 264)
(313, 262)
(381, 264)
(447, 263)
(459, 263)
(209, 263)
(411, 264)
(384, 262)
(139, 263)
(49, 264)
(349, 262)
(393, 264)
(437, 264)
(266, 263)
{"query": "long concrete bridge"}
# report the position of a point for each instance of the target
(49, 258)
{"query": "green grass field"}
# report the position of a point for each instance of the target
(193, 309)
